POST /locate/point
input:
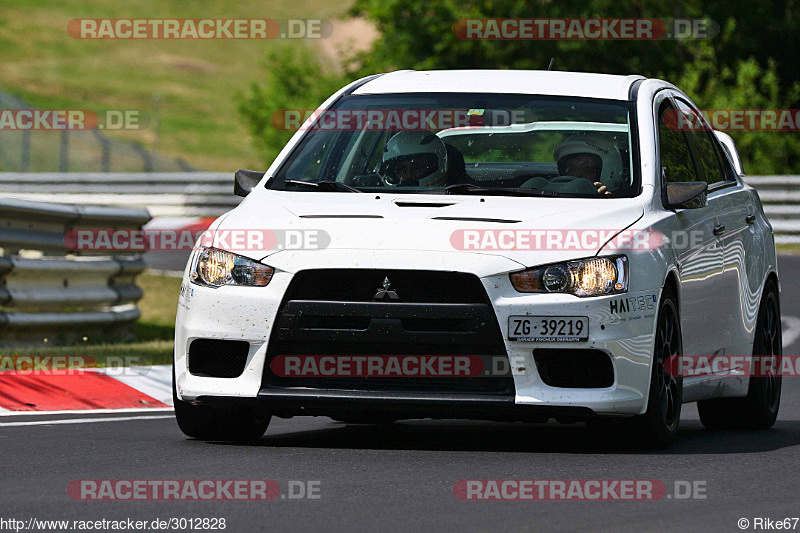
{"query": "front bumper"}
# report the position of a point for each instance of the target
(399, 405)
(623, 332)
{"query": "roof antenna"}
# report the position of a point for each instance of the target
(550, 66)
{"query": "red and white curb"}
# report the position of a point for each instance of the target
(115, 390)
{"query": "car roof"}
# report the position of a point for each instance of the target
(540, 82)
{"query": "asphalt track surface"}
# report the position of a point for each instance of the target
(400, 478)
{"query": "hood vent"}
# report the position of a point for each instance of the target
(423, 204)
(479, 219)
(341, 216)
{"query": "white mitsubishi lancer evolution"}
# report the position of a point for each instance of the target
(495, 245)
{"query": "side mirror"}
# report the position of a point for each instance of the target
(245, 181)
(685, 195)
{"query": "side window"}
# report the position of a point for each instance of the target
(729, 174)
(706, 155)
(676, 160)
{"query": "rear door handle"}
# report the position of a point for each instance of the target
(719, 230)
(750, 219)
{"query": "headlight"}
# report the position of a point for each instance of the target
(217, 267)
(595, 276)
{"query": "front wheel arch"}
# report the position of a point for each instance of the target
(659, 422)
(672, 283)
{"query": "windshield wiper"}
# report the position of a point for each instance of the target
(470, 188)
(324, 185)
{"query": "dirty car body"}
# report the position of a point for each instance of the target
(479, 262)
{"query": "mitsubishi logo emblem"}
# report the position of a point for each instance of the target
(386, 292)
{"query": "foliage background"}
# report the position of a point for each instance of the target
(749, 64)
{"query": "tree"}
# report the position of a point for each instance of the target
(744, 67)
(295, 81)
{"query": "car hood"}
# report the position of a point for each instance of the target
(401, 223)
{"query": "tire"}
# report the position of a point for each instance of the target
(759, 409)
(236, 423)
(656, 428)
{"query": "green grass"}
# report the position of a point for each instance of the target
(160, 302)
(788, 249)
(196, 80)
(154, 331)
(154, 352)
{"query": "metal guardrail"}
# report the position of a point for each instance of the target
(781, 198)
(209, 194)
(174, 194)
(50, 292)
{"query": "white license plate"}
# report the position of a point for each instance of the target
(548, 328)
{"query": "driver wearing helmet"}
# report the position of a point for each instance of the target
(592, 156)
(414, 158)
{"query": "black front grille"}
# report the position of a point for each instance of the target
(574, 369)
(217, 358)
(361, 285)
(334, 312)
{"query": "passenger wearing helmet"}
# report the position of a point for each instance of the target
(592, 156)
(414, 158)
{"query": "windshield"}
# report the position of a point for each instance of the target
(462, 143)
